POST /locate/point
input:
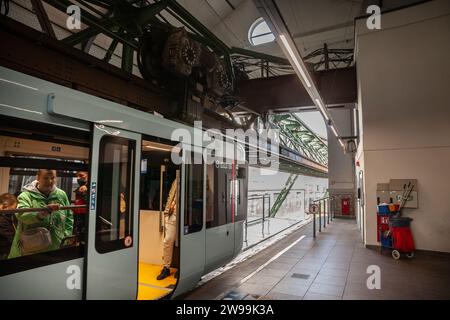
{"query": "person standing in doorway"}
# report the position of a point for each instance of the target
(170, 218)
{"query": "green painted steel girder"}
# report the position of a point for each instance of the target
(88, 32)
(139, 17)
(91, 20)
(147, 13)
(298, 136)
(111, 50)
(127, 58)
(283, 195)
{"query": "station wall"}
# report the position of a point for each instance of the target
(403, 81)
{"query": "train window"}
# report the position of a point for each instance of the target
(35, 174)
(114, 208)
(221, 190)
(210, 197)
(157, 175)
(193, 213)
(215, 197)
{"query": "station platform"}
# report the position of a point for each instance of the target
(256, 233)
(331, 267)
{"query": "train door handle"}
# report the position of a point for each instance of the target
(228, 232)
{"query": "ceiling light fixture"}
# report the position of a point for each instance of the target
(334, 131)
(295, 60)
(322, 108)
(109, 121)
(159, 148)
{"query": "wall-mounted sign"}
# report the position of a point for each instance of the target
(313, 208)
(93, 194)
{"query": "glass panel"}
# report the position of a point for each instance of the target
(37, 174)
(114, 208)
(157, 171)
(261, 28)
(261, 33)
(193, 216)
(263, 39)
(210, 196)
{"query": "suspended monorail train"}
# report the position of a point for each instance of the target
(127, 154)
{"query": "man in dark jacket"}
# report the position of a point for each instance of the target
(81, 198)
(7, 228)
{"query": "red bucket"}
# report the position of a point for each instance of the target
(402, 239)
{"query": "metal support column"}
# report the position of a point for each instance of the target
(263, 213)
(314, 225)
(327, 201)
(127, 58)
(320, 219)
(268, 220)
(329, 208)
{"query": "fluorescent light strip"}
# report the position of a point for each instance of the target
(162, 149)
(109, 121)
(322, 108)
(334, 131)
(294, 58)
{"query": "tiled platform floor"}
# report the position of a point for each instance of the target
(257, 232)
(333, 266)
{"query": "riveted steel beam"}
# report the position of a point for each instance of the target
(336, 86)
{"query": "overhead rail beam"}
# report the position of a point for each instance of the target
(337, 86)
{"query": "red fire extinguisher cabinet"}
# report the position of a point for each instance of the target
(345, 206)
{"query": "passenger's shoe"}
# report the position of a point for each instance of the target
(165, 272)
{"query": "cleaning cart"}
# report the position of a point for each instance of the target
(394, 231)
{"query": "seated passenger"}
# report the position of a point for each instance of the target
(42, 193)
(7, 228)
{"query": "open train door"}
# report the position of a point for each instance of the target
(110, 270)
(192, 222)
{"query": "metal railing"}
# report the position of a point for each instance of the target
(41, 209)
(325, 209)
(262, 219)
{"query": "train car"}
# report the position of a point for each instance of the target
(117, 254)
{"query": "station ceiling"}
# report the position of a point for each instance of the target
(227, 23)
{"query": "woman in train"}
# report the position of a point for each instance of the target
(53, 224)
